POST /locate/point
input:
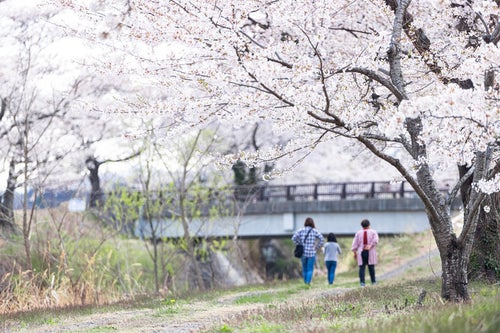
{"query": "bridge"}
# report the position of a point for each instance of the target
(276, 211)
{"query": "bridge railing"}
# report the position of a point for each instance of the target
(325, 191)
(166, 204)
(303, 192)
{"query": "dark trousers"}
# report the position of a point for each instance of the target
(362, 269)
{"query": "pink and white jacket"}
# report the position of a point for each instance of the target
(357, 246)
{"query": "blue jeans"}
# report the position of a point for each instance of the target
(308, 268)
(331, 266)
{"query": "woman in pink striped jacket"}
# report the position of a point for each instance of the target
(365, 253)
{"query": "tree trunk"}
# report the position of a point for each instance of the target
(454, 280)
(196, 264)
(7, 222)
(27, 220)
(455, 252)
(95, 199)
(485, 257)
(190, 242)
(154, 237)
(454, 260)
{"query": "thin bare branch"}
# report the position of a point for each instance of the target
(124, 159)
(376, 77)
(281, 62)
(352, 31)
(458, 186)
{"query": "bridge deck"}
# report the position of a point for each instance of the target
(281, 219)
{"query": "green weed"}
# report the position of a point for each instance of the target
(224, 329)
(168, 307)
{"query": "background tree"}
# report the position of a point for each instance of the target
(96, 194)
(197, 195)
(33, 119)
(251, 175)
(40, 135)
(179, 189)
(152, 202)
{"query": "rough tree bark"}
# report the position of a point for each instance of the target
(484, 262)
(7, 222)
(485, 258)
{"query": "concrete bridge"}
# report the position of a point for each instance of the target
(278, 211)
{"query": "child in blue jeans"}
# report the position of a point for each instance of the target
(331, 251)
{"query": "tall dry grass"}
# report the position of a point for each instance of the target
(76, 260)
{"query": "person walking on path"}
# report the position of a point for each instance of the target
(312, 241)
(365, 253)
(331, 251)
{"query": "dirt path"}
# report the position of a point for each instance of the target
(196, 316)
(192, 317)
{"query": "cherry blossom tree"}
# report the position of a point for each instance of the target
(422, 97)
(34, 114)
(45, 72)
(93, 164)
(40, 136)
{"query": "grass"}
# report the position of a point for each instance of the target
(264, 297)
(388, 308)
(291, 307)
(397, 305)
